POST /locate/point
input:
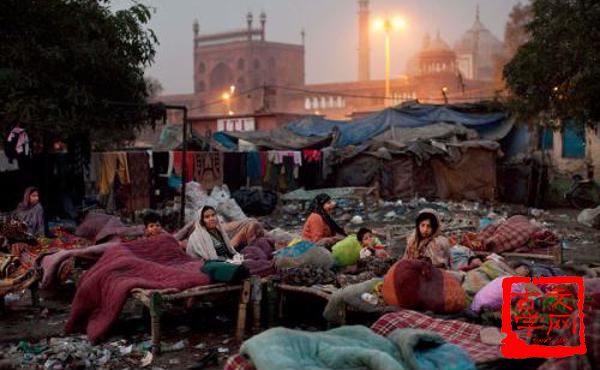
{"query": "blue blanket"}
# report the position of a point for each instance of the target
(353, 347)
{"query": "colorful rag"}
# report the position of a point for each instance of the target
(209, 169)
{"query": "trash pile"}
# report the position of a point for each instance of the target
(76, 352)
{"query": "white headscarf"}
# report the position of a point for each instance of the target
(200, 244)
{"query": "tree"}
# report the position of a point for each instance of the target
(515, 31)
(155, 88)
(64, 62)
(557, 71)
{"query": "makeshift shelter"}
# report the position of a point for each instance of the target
(408, 150)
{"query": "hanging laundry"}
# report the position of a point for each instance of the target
(94, 173)
(170, 164)
(113, 164)
(253, 165)
(234, 170)
(311, 174)
(209, 169)
(17, 144)
(139, 172)
(311, 155)
(189, 164)
(276, 156)
(264, 160)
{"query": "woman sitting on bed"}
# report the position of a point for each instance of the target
(242, 233)
(319, 227)
(208, 240)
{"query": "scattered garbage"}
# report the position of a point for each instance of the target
(357, 220)
(147, 360)
(590, 217)
(178, 346)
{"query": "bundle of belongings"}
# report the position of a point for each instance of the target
(21, 255)
(517, 234)
(353, 347)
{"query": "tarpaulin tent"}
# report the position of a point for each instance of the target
(312, 131)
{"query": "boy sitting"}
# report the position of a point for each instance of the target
(371, 246)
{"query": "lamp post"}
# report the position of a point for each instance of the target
(388, 25)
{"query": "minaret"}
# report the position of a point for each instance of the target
(476, 30)
(249, 21)
(196, 28)
(363, 41)
(263, 20)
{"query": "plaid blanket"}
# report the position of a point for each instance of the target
(591, 321)
(509, 235)
(238, 362)
(463, 334)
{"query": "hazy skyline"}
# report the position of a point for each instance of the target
(331, 28)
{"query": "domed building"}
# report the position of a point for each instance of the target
(436, 57)
(477, 52)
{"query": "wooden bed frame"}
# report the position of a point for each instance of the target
(154, 300)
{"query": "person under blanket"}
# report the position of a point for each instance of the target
(152, 226)
(371, 246)
(427, 242)
(320, 228)
(208, 240)
(31, 212)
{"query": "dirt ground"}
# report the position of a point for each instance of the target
(206, 327)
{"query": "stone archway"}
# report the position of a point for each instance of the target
(221, 78)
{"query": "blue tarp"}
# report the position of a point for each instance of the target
(490, 126)
(363, 129)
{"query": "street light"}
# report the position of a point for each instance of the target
(445, 94)
(388, 25)
(227, 98)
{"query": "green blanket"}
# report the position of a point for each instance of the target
(353, 347)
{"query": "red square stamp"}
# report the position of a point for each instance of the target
(545, 319)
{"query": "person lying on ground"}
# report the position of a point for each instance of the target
(371, 246)
(208, 240)
(320, 228)
(31, 212)
(427, 242)
(152, 226)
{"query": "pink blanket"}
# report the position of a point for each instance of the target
(153, 263)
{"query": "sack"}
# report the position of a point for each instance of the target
(225, 272)
(347, 251)
(256, 202)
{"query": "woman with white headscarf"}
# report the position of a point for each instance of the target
(209, 240)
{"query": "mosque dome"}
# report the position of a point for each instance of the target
(481, 43)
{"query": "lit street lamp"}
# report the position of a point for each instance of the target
(227, 98)
(388, 25)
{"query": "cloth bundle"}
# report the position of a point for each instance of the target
(417, 285)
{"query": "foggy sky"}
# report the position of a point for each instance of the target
(331, 28)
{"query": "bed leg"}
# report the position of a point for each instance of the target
(241, 321)
(272, 297)
(35, 297)
(155, 313)
(256, 300)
